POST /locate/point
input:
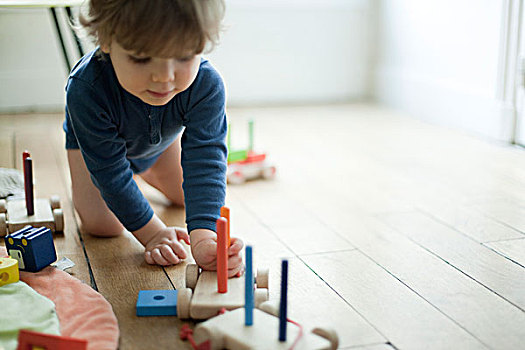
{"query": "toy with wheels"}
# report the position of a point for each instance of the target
(251, 328)
(201, 300)
(228, 331)
(246, 164)
(15, 214)
(47, 213)
(250, 169)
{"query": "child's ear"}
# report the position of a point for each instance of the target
(105, 48)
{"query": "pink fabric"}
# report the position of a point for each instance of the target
(82, 312)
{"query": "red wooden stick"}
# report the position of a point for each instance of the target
(222, 255)
(28, 185)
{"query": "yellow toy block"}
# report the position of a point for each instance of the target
(8, 271)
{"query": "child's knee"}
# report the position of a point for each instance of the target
(100, 229)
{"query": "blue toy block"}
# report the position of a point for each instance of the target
(32, 247)
(157, 303)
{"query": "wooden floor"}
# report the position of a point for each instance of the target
(400, 235)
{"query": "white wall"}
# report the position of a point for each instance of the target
(439, 61)
(296, 51)
(274, 51)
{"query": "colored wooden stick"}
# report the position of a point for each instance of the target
(284, 301)
(248, 288)
(250, 131)
(222, 255)
(225, 213)
(28, 185)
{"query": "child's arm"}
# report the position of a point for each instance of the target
(204, 251)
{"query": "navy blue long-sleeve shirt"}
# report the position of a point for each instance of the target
(119, 134)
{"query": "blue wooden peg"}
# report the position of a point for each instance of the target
(248, 288)
(284, 301)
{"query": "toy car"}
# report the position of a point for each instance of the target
(228, 331)
(253, 167)
(47, 213)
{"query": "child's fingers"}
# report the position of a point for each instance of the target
(235, 265)
(169, 255)
(183, 234)
(178, 249)
(148, 258)
(158, 258)
(236, 271)
(235, 247)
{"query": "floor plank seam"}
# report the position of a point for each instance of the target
(422, 298)
(168, 277)
(357, 347)
(500, 221)
(501, 254)
(303, 262)
(344, 300)
(503, 240)
(327, 252)
(446, 224)
(453, 266)
(432, 217)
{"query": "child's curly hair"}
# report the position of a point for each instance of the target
(159, 28)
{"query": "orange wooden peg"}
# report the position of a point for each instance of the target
(222, 255)
(225, 213)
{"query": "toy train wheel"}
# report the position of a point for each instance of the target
(262, 278)
(3, 206)
(55, 202)
(183, 303)
(269, 173)
(202, 334)
(329, 334)
(3, 225)
(260, 296)
(192, 275)
(58, 215)
(236, 178)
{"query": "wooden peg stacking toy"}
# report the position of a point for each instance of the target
(247, 164)
(15, 214)
(228, 331)
(248, 288)
(31, 340)
(207, 292)
(8, 271)
(33, 248)
(222, 255)
(283, 305)
(225, 213)
(28, 183)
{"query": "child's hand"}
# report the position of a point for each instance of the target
(164, 248)
(204, 250)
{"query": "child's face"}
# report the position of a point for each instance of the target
(154, 80)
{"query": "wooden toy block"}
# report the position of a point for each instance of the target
(228, 331)
(15, 214)
(201, 300)
(157, 303)
(47, 213)
(30, 340)
(8, 271)
(33, 248)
